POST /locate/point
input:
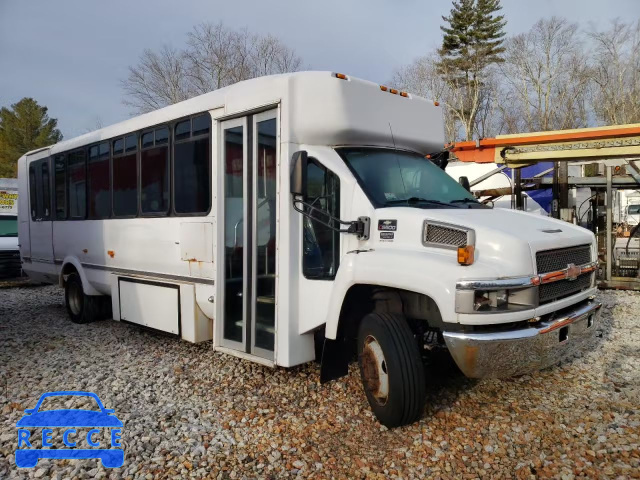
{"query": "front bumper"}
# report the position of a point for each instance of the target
(515, 352)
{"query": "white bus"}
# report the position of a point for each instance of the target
(295, 217)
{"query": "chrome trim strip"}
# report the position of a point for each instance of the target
(497, 284)
(523, 282)
(565, 274)
(125, 271)
(471, 234)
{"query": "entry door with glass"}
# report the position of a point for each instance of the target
(249, 152)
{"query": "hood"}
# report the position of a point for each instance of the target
(9, 243)
(505, 239)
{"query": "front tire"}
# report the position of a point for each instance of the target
(83, 308)
(391, 369)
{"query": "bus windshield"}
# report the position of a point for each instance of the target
(8, 226)
(394, 177)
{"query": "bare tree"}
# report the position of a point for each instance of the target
(616, 73)
(160, 79)
(545, 79)
(422, 78)
(214, 57)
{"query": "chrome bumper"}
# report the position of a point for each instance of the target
(515, 352)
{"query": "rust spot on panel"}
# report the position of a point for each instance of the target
(84, 250)
(111, 253)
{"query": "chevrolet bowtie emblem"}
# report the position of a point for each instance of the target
(573, 271)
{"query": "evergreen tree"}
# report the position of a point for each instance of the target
(24, 127)
(472, 41)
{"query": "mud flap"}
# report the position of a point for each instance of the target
(336, 355)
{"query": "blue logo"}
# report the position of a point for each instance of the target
(69, 421)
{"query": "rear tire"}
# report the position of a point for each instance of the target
(391, 369)
(84, 308)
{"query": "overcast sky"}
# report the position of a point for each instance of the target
(70, 55)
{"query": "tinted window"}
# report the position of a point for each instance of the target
(99, 182)
(76, 180)
(320, 243)
(201, 124)
(33, 191)
(60, 178)
(118, 146)
(162, 136)
(125, 185)
(46, 191)
(192, 181)
(130, 143)
(183, 129)
(147, 139)
(154, 178)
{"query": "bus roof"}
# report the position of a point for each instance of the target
(317, 108)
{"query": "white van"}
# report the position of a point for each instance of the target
(9, 253)
(295, 217)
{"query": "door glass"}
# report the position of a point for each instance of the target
(265, 257)
(233, 236)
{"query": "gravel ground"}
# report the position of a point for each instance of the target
(190, 412)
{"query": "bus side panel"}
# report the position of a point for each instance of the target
(23, 210)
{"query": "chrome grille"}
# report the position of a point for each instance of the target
(550, 292)
(444, 235)
(558, 259)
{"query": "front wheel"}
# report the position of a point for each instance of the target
(391, 369)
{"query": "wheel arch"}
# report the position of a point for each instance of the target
(72, 265)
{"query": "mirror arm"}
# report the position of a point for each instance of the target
(358, 227)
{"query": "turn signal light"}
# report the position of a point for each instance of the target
(465, 255)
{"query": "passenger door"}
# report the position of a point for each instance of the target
(247, 286)
(40, 237)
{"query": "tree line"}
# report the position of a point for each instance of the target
(555, 76)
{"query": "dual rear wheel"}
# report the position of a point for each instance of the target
(391, 369)
(84, 308)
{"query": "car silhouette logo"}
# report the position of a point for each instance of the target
(69, 420)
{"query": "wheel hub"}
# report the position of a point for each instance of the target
(374, 370)
(75, 299)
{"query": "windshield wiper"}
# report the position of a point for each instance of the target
(413, 200)
(464, 200)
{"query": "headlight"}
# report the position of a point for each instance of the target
(486, 300)
(496, 300)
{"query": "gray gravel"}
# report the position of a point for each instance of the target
(190, 412)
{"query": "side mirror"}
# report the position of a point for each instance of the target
(464, 181)
(299, 174)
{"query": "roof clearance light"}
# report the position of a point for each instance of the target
(341, 76)
(383, 88)
(437, 104)
(404, 94)
(394, 91)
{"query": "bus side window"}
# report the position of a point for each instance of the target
(77, 183)
(125, 177)
(60, 187)
(33, 191)
(46, 191)
(191, 166)
(320, 244)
